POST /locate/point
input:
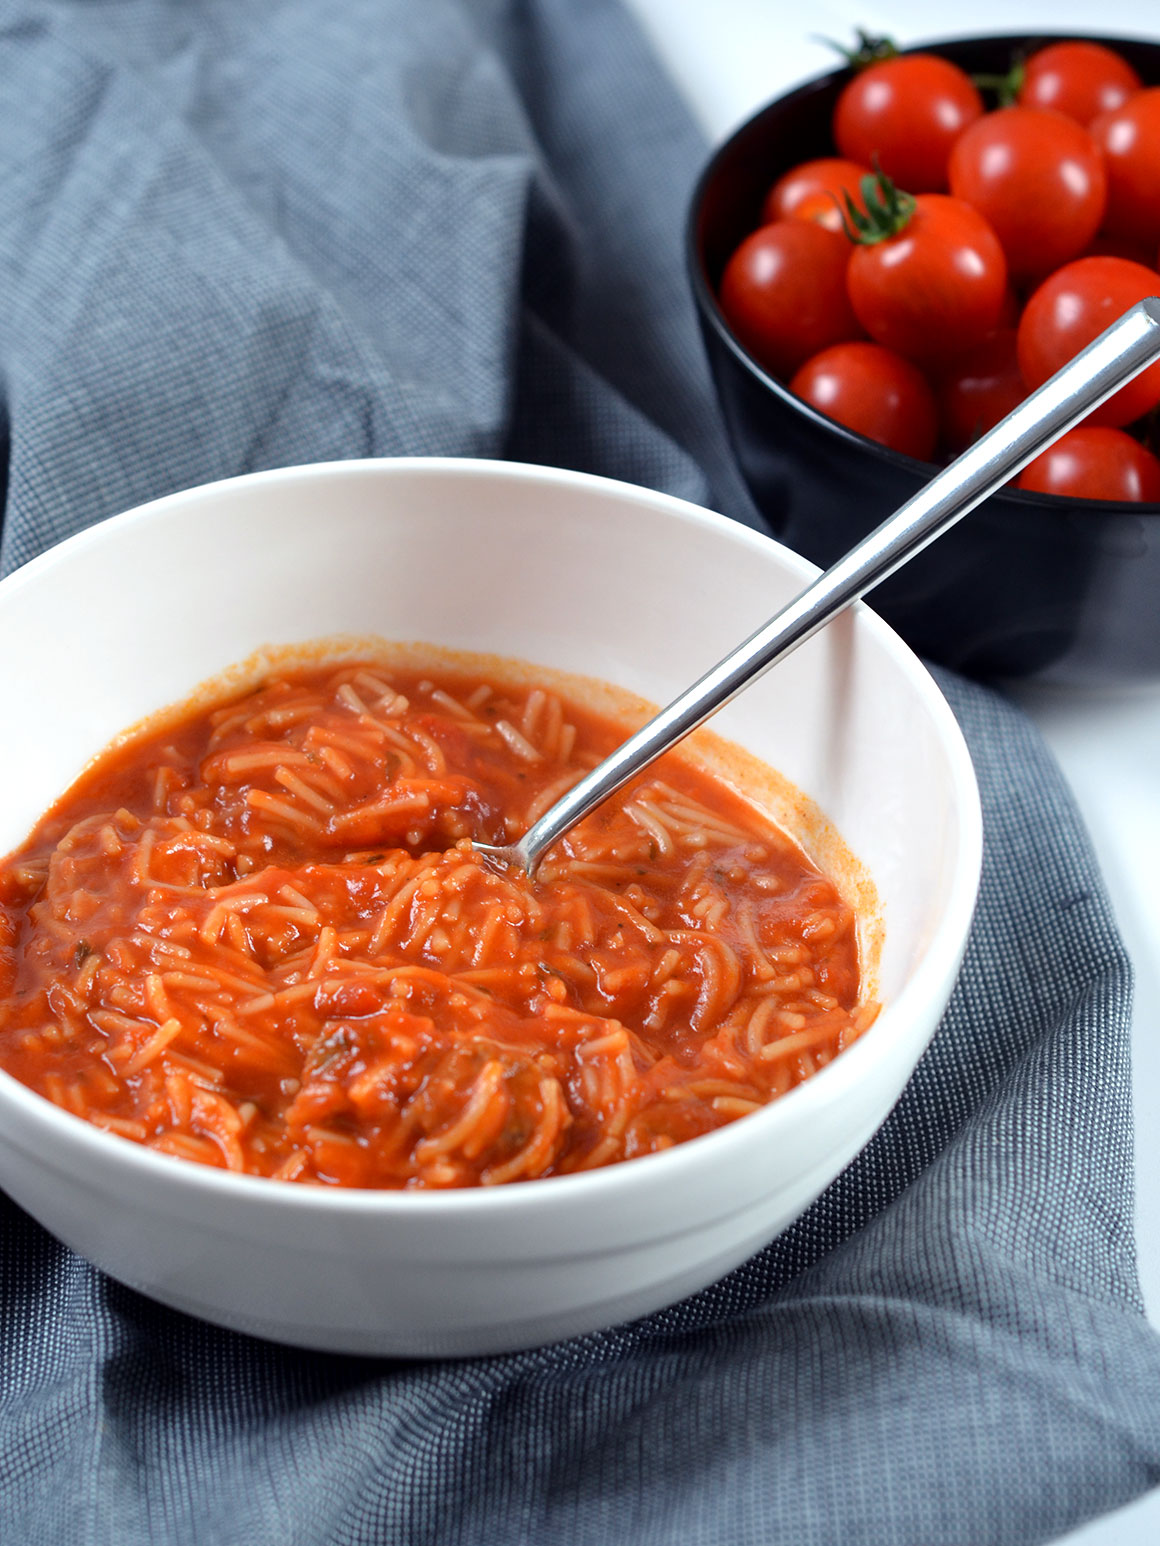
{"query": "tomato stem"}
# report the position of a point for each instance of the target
(888, 210)
(868, 50)
(1006, 87)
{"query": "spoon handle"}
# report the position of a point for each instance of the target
(1118, 354)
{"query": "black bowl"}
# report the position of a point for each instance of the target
(1027, 585)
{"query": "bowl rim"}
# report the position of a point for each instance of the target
(943, 952)
(1082, 510)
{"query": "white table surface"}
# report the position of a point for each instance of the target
(729, 57)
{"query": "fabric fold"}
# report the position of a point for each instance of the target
(235, 237)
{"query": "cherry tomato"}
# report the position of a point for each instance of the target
(1038, 179)
(803, 193)
(936, 287)
(906, 111)
(874, 391)
(783, 293)
(1082, 80)
(1130, 141)
(821, 209)
(1071, 308)
(1094, 462)
(979, 389)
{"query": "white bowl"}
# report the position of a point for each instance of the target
(579, 574)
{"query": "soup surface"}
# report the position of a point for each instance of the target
(261, 939)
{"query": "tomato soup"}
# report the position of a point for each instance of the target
(261, 939)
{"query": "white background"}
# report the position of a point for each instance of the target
(731, 56)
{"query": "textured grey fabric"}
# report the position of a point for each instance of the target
(240, 233)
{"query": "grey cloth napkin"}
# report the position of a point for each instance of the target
(238, 235)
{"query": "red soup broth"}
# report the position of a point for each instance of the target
(259, 938)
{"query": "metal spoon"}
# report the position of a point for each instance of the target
(1126, 348)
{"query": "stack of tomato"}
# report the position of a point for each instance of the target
(949, 258)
